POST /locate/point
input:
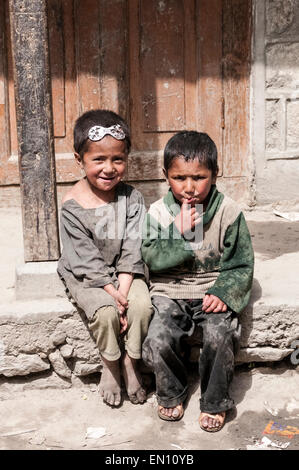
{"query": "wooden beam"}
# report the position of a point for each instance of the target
(29, 36)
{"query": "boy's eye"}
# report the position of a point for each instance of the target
(198, 177)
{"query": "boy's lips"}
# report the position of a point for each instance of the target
(191, 200)
(107, 178)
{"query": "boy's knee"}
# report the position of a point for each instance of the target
(104, 317)
(140, 308)
(154, 347)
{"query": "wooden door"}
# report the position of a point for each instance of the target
(164, 65)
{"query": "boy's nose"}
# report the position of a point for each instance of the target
(189, 186)
(108, 168)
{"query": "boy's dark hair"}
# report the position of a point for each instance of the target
(192, 145)
(97, 117)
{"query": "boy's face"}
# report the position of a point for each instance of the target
(104, 163)
(190, 181)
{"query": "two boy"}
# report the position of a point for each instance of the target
(198, 250)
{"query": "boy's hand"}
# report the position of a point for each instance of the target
(123, 322)
(212, 303)
(187, 218)
(121, 303)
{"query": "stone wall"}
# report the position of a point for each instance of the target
(46, 336)
(276, 100)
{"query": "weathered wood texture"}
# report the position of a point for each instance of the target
(237, 30)
(34, 127)
(164, 66)
(4, 141)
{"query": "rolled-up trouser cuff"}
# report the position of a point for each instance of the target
(216, 407)
(172, 402)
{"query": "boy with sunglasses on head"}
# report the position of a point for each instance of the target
(198, 250)
(101, 265)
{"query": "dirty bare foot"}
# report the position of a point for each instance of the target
(171, 414)
(212, 422)
(133, 382)
(110, 384)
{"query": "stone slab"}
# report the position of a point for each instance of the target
(38, 280)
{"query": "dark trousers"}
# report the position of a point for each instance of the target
(175, 321)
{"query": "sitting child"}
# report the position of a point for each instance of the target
(203, 284)
(101, 266)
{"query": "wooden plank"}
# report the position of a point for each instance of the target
(56, 51)
(163, 70)
(35, 131)
(71, 99)
(134, 81)
(87, 51)
(114, 87)
(210, 72)
(190, 65)
(237, 26)
(161, 49)
(4, 131)
(11, 91)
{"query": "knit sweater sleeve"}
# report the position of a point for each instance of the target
(233, 285)
(163, 247)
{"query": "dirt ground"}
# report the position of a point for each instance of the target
(267, 401)
(267, 405)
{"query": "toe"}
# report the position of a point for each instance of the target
(141, 395)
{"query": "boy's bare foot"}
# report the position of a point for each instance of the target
(110, 384)
(133, 382)
(212, 422)
(171, 414)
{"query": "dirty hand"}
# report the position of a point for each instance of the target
(123, 322)
(122, 305)
(212, 304)
(187, 218)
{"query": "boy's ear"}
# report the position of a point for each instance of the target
(78, 159)
(214, 178)
(165, 174)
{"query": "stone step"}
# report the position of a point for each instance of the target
(42, 334)
(39, 335)
(38, 281)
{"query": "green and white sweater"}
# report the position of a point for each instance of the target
(221, 265)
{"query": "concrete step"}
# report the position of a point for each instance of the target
(42, 334)
(51, 334)
(41, 331)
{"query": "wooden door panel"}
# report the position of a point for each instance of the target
(237, 25)
(161, 52)
(211, 100)
(163, 70)
(163, 65)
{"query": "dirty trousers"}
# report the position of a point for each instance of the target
(177, 321)
(105, 325)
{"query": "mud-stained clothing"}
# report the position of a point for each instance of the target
(220, 262)
(98, 244)
(105, 325)
(174, 322)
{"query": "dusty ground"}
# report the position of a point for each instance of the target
(266, 398)
(59, 419)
